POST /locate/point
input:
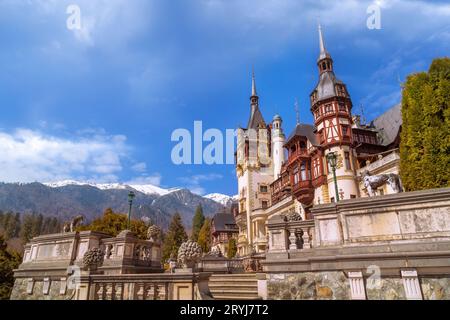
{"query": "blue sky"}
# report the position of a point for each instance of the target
(101, 103)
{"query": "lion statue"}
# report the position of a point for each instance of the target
(372, 183)
(70, 226)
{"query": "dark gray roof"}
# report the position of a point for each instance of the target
(326, 88)
(304, 130)
(388, 124)
(224, 221)
(256, 119)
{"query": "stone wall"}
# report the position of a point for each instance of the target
(19, 291)
(308, 286)
(392, 247)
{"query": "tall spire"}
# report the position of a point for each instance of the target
(323, 51)
(254, 93)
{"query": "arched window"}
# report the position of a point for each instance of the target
(324, 66)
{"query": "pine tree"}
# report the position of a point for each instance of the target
(425, 143)
(9, 260)
(232, 248)
(204, 237)
(12, 225)
(174, 237)
(37, 225)
(197, 222)
(26, 228)
(46, 225)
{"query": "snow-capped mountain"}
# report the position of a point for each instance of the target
(223, 199)
(144, 188)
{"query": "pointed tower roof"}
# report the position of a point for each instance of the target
(256, 119)
(323, 51)
(254, 93)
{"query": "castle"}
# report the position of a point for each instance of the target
(278, 174)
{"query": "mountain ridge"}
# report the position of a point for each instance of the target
(65, 200)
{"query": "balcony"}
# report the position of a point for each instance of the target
(304, 191)
(317, 182)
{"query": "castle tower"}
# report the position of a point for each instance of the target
(278, 140)
(254, 169)
(331, 107)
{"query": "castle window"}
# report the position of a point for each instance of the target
(342, 107)
(296, 175)
(264, 204)
(328, 108)
(263, 189)
(344, 131)
(303, 171)
(324, 66)
(347, 161)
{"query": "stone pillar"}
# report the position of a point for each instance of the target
(262, 285)
(292, 240)
(357, 288)
(411, 285)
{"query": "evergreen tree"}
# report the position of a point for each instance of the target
(2, 219)
(204, 237)
(55, 226)
(425, 143)
(12, 226)
(232, 248)
(174, 237)
(9, 260)
(26, 228)
(197, 222)
(37, 225)
(46, 225)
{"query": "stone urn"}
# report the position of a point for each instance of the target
(153, 233)
(189, 254)
(93, 259)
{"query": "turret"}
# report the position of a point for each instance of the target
(278, 140)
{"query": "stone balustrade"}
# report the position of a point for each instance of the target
(290, 235)
(161, 286)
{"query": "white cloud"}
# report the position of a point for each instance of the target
(139, 167)
(193, 183)
(27, 156)
(154, 179)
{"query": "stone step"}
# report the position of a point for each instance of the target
(234, 286)
(252, 287)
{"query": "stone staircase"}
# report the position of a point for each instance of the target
(234, 286)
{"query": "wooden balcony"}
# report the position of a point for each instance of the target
(304, 191)
(317, 182)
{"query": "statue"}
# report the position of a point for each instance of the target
(153, 233)
(189, 254)
(70, 226)
(293, 216)
(93, 259)
(372, 183)
(215, 252)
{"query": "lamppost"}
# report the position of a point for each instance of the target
(332, 160)
(131, 196)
